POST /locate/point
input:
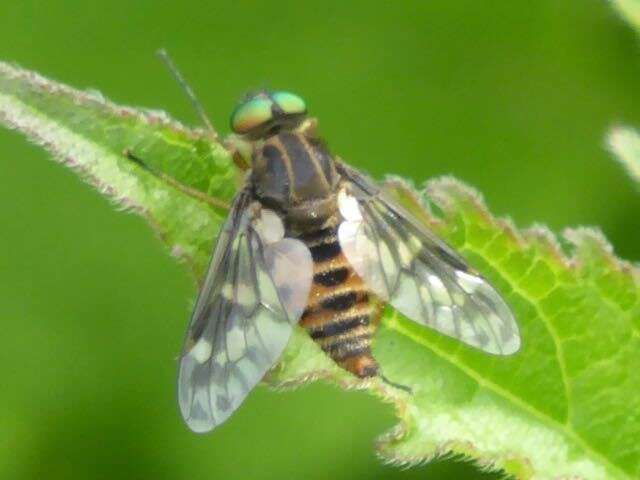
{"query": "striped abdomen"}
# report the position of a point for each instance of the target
(339, 315)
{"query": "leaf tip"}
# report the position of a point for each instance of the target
(624, 143)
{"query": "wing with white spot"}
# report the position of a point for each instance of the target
(255, 291)
(419, 274)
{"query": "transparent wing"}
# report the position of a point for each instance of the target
(419, 274)
(256, 288)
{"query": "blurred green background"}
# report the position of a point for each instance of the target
(512, 97)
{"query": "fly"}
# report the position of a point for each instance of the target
(311, 241)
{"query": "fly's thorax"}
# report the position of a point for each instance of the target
(295, 174)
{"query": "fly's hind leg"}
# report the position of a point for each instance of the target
(399, 386)
(365, 366)
(379, 307)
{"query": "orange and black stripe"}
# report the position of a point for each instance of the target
(339, 315)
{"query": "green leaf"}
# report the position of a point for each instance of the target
(89, 134)
(625, 144)
(566, 405)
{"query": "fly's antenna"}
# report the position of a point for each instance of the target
(166, 59)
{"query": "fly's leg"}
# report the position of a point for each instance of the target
(399, 386)
(192, 192)
(378, 306)
(240, 152)
(240, 162)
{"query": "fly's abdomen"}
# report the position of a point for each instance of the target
(340, 314)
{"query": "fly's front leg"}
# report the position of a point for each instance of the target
(240, 161)
(240, 150)
(186, 189)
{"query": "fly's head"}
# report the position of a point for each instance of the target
(275, 138)
(262, 115)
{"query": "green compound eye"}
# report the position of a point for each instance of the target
(251, 114)
(290, 103)
(264, 113)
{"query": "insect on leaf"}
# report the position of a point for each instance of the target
(565, 406)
